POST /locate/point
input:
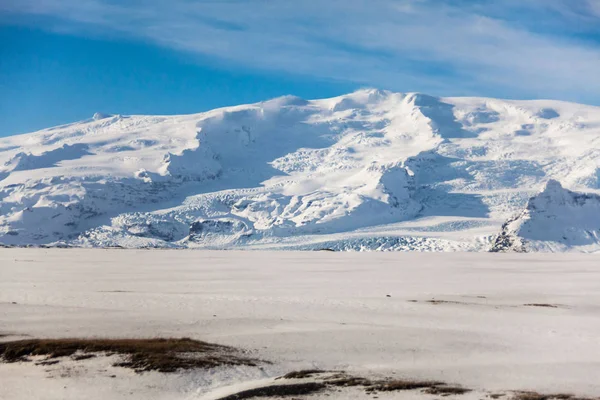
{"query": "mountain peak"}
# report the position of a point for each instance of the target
(553, 186)
(555, 219)
(98, 116)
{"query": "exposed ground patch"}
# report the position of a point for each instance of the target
(9, 334)
(305, 373)
(439, 302)
(331, 380)
(541, 305)
(315, 380)
(446, 302)
(163, 355)
(446, 390)
(296, 389)
(542, 396)
(114, 291)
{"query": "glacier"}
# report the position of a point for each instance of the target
(370, 170)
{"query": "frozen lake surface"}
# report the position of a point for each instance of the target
(491, 322)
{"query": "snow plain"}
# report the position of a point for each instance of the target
(309, 310)
(370, 170)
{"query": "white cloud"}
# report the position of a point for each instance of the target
(421, 45)
(594, 6)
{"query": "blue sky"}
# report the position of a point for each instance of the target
(63, 60)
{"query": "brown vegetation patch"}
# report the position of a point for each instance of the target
(348, 381)
(80, 357)
(298, 389)
(305, 373)
(541, 396)
(323, 381)
(163, 355)
(436, 302)
(541, 305)
(343, 379)
(47, 362)
(114, 291)
(340, 379)
(399, 384)
(446, 390)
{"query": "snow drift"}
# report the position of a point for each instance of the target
(368, 170)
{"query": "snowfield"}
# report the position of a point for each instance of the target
(371, 170)
(494, 323)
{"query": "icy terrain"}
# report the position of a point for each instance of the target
(556, 219)
(493, 323)
(371, 170)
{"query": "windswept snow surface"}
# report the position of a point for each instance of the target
(489, 322)
(371, 170)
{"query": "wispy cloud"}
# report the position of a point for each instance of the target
(526, 48)
(594, 7)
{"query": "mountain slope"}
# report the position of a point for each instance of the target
(368, 170)
(556, 219)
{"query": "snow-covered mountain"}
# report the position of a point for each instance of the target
(368, 170)
(556, 219)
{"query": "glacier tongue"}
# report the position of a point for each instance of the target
(371, 170)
